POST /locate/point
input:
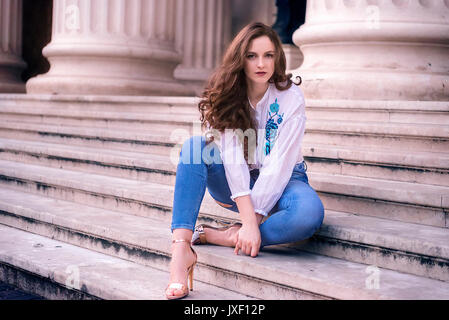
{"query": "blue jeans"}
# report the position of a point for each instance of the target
(297, 215)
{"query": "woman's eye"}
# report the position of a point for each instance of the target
(268, 55)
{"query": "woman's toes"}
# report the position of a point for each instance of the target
(174, 292)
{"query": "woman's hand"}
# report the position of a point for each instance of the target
(248, 240)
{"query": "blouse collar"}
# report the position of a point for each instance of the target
(265, 96)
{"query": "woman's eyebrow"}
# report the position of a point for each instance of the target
(265, 52)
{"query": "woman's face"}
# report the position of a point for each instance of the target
(260, 58)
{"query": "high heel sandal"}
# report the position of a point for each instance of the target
(199, 236)
(180, 286)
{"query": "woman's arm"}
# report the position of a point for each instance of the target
(249, 234)
(246, 210)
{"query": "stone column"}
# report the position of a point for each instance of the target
(377, 49)
(11, 63)
(117, 47)
(202, 33)
(247, 11)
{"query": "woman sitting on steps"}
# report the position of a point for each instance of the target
(252, 164)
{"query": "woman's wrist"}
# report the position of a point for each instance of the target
(246, 210)
(250, 223)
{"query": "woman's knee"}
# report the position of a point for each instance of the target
(191, 150)
(196, 151)
(308, 217)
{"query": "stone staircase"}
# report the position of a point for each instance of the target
(89, 181)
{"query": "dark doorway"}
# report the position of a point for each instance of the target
(36, 34)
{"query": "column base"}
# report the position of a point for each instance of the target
(94, 68)
(105, 86)
(193, 78)
(293, 57)
(370, 85)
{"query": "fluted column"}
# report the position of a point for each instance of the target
(376, 49)
(11, 63)
(124, 47)
(203, 30)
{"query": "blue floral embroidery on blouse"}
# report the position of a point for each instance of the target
(271, 127)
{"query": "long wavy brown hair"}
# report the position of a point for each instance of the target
(224, 102)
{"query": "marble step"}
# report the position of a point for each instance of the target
(145, 118)
(58, 270)
(139, 104)
(417, 167)
(151, 119)
(403, 201)
(160, 142)
(395, 136)
(431, 112)
(142, 198)
(395, 245)
(411, 112)
(278, 272)
(386, 164)
(334, 238)
(419, 138)
(118, 163)
(101, 119)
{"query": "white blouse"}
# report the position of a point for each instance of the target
(280, 118)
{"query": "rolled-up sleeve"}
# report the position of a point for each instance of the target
(278, 165)
(235, 166)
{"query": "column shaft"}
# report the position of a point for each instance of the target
(204, 29)
(111, 47)
(379, 49)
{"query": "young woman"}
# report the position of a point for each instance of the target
(252, 164)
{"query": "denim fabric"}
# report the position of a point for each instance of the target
(297, 215)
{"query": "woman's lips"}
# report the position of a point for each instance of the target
(261, 73)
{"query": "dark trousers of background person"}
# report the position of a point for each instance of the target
(291, 14)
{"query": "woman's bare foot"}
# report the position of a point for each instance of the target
(182, 258)
(227, 238)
